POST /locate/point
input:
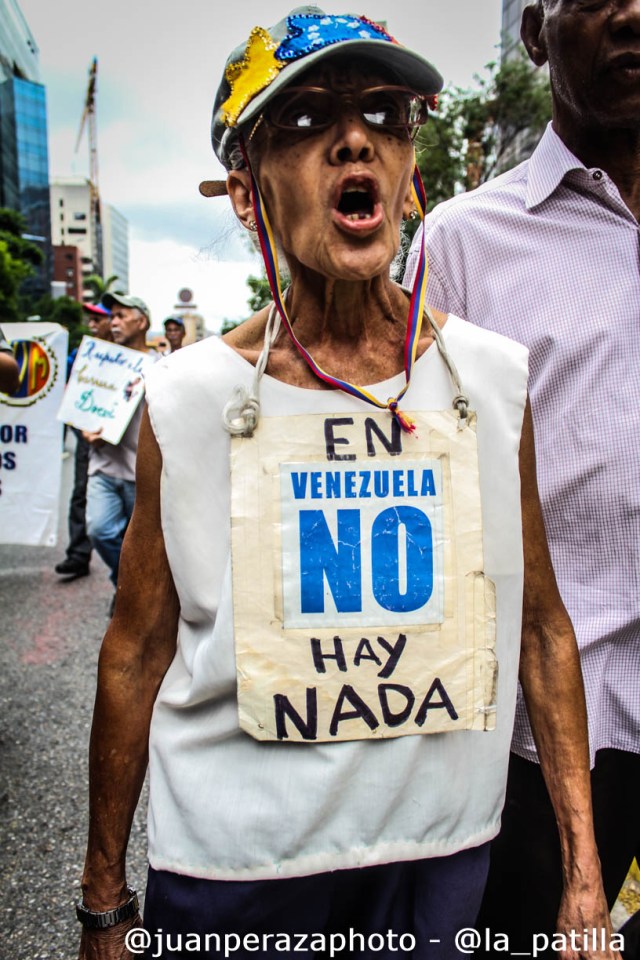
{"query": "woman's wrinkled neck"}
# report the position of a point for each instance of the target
(325, 310)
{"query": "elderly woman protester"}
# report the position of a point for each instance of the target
(326, 565)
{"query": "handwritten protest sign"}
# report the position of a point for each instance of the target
(30, 436)
(360, 605)
(105, 387)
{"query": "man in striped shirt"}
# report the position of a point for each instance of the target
(548, 254)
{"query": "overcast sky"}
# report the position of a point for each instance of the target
(158, 68)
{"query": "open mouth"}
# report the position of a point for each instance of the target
(625, 63)
(357, 200)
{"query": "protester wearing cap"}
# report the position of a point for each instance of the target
(129, 308)
(98, 319)
(78, 552)
(96, 309)
(174, 331)
(295, 634)
(111, 487)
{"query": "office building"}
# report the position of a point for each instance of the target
(24, 155)
(115, 247)
(67, 269)
(72, 222)
(104, 246)
(510, 34)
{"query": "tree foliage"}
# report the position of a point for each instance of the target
(12, 227)
(101, 285)
(228, 325)
(260, 292)
(474, 133)
(18, 257)
(63, 310)
(260, 296)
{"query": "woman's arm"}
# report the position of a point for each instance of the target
(136, 652)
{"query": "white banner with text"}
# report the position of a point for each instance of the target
(31, 436)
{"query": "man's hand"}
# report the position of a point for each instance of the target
(93, 438)
(108, 944)
(583, 909)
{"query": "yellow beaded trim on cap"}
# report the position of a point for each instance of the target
(250, 75)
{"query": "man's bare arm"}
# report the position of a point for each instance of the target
(9, 373)
(136, 652)
(551, 680)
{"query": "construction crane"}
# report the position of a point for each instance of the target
(89, 120)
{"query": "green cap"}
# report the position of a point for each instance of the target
(109, 299)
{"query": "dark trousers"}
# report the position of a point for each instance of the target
(79, 547)
(429, 900)
(523, 891)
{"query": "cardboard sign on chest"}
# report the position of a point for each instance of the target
(359, 603)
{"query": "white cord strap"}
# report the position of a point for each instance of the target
(241, 413)
(460, 401)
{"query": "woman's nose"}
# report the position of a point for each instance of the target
(352, 139)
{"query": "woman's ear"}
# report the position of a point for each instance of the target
(239, 190)
(409, 211)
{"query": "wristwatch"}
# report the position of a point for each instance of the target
(96, 920)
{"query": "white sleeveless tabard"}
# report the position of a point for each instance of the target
(226, 806)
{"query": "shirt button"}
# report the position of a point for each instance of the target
(597, 174)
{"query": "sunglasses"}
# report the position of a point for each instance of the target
(311, 109)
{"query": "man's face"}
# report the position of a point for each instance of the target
(174, 333)
(127, 325)
(593, 49)
(100, 326)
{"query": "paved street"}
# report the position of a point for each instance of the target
(50, 636)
